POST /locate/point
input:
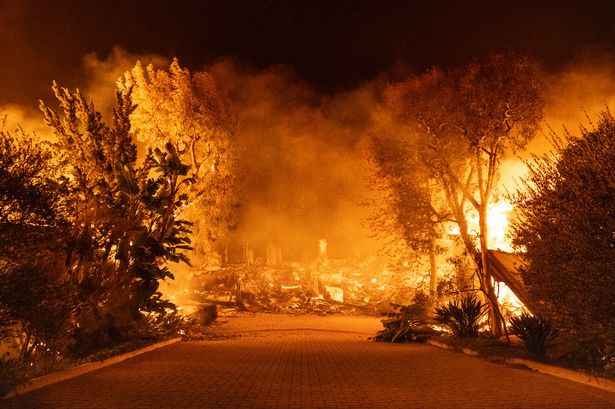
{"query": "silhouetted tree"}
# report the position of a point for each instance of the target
(567, 227)
(36, 295)
(406, 205)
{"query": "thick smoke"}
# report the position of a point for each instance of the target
(574, 97)
(578, 93)
(302, 153)
(302, 158)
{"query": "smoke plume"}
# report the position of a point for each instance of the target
(302, 157)
(302, 152)
(574, 97)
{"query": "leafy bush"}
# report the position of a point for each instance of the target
(39, 304)
(566, 222)
(536, 332)
(463, 316)
(13, 372)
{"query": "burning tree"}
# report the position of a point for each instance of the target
(407, 203)
(454, 128)
(567, 227)
(123, 225)
(189, 112)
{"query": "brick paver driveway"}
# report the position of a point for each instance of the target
(308, 362)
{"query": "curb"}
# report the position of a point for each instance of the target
(558, 372)
(437, 344)
(55, 377)
(575, 376)
(466, 351)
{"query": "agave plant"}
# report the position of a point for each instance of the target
(463, 316)
(535, 332)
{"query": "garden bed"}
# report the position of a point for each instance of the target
(498, 351)
(71, 368)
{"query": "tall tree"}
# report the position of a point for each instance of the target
(460, 124)
(406, 205)
(192, 114)
(566, 225)
(124, 225)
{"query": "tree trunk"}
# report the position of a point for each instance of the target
(486, 282)
(433, 277)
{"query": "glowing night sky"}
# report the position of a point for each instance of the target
(304, 78)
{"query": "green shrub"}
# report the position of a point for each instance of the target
(536, 332)
(13, 372)
(463, 316)
(565, 222)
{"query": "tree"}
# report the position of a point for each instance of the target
(406, 205)
(189, 112)
(123, 218)
(567, 227)
(28, 190)
(36, 297)
(459, 124)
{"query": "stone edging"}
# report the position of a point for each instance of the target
(556, 371)
(54, 377)
(564, 373)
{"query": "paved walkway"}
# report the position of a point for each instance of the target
(308, 362)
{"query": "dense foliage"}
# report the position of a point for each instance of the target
(190, 112)
(437, 149)
(88, 231)
(123, 224)
(567, 227)
(89, 227)
(36, 295)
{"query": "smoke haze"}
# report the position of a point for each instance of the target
(302, 160)
(302, 152)
(574, 96)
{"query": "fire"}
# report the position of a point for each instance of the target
(508, 300)
(497, 223)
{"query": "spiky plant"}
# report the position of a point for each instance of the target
(463, 316)
(535, 332)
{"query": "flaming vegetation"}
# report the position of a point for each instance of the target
(191, 113)
(437, 151)
(94, 228)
